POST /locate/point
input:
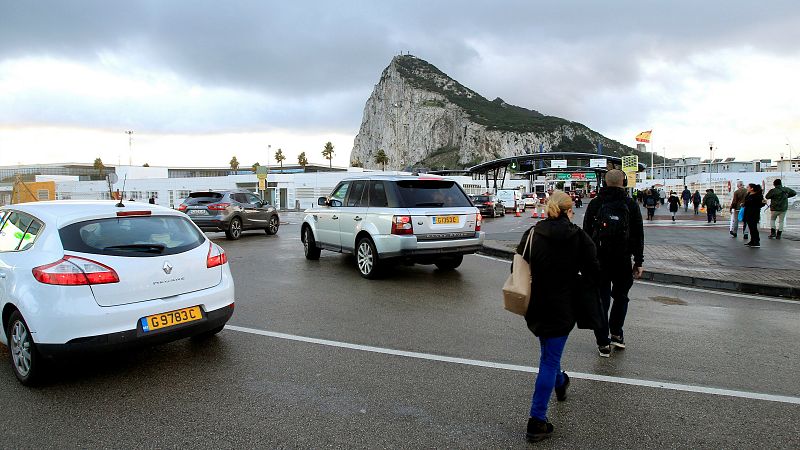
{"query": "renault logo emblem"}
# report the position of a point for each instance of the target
(167, 268)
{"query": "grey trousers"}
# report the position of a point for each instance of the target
(780, 217)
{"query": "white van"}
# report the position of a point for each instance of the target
(511, 198)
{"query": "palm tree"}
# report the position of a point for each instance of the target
(327, 153)
(381, 158)
(256, 165)
(301, 159)
(280, 158)
(234, 164)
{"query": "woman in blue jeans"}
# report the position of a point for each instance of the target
(559, 250)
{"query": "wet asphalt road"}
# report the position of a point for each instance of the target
(248, 390)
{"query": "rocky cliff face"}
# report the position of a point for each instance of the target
(421, 117)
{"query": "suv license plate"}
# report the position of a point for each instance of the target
(197, 212)
(171, 318)
(442, 220)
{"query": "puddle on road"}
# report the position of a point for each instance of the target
(668, 300)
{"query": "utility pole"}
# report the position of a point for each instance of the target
(130, 143)
(710, 163)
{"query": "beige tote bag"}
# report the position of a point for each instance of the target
(517, 288)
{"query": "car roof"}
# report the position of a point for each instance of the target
(64, 212)
(384, 177)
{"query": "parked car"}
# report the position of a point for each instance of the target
(542, 196)
(81, 276)
(489, 205)
(231, 212)
(530, 200)
(384, 219)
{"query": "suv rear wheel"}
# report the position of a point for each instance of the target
(25, 359)
(446, 263)
(367, 258)
(309, 244)
(234, 230)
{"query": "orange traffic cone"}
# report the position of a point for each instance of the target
(533, 214)
(517, 214)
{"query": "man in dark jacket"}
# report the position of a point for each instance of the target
(614, 222)
(778, 205)
(686, 196)
(736, 204)
(711, 202)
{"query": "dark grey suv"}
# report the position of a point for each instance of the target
(231, 212)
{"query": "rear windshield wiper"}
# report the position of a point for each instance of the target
(431, 204)
(148, 248)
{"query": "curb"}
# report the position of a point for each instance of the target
(685, 280)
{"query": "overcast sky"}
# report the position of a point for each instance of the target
(200, 81)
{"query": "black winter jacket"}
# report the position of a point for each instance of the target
(752, 206)
(635, 227)
(560, 249)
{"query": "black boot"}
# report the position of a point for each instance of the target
(778, 236)
(538, 430)
(561, 391)
(771, 233)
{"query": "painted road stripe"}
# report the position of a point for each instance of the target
(527, 369)
(687, 288)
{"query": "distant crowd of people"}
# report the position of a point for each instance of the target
(745, 207)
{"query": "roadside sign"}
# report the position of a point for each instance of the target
(600, 163)
(558, 164)
(261, 176)
(630, 163)
(262, 183)
(631, 179)
(262, 169)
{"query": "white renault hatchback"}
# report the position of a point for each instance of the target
(94, 275)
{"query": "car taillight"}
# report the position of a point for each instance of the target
(182, 207)
(75, 271)
(133, 213)
(489, 203)
(478, 220)
(218, 206)
(402, 225)
(216, 260)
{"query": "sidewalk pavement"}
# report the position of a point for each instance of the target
(703, 255)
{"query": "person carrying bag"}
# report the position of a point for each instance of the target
(563, 288)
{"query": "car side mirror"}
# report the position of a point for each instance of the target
(322, 201)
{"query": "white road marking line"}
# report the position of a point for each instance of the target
(527, 369)
(689, 288)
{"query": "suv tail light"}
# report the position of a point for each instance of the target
(75, 271)
(489, 203)
(478, 220)
(216, 260)
(218, 206)
(182, 207)
(402, 225)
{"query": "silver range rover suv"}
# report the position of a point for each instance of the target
(384, 219)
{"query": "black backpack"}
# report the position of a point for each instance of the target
(611, 230)
(650, 201)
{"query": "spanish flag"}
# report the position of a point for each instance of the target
(644, 136)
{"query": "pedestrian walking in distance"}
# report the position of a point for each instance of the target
(711, 203)
(614, 222)
(558, 253)
(736, 204)
(686, 196)
(778, 205)
(696, 200)
(752, 213)
(674, 204)
(650, 203)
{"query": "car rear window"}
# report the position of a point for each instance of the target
(481, 198)
(203, 198)
(432, 193)
(132, 236)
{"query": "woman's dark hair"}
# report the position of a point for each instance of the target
(756, 187)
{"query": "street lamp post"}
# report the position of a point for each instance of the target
(130, 142)
(710, 163)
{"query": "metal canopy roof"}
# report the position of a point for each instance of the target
(548, 156)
